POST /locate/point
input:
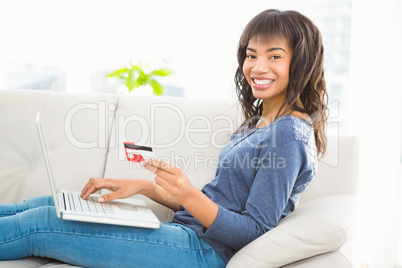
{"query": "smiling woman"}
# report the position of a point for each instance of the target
(266, 69)
(281, 72)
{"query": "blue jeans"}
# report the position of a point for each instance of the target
(31, 228)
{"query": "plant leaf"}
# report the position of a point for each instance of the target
(141, 77)
(121, 73)
(158, 88)
(131, 81)
(134, 76)
(161, 72)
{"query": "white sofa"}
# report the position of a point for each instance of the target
(85, 134)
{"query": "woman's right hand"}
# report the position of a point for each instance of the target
(121, 188)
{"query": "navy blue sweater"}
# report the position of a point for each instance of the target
(260, 177)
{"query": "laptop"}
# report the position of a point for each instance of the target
(70, 206)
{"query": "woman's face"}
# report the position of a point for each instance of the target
(266, 68)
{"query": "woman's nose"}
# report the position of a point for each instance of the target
(261, 66)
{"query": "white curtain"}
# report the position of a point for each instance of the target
(374, 115)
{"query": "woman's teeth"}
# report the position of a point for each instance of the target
(263, 82)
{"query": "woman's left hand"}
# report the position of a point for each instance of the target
(171, 183)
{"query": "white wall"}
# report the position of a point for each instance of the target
(375, 117)
(199, 39)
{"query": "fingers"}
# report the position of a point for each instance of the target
(108, 197)
(94, 185)
(160, 167)
(165, 184)
(86, 188)
(161, 191)
(169, 181)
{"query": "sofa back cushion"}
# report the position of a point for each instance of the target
(337, 172)
(76, 129)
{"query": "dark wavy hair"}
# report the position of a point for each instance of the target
(306, 73)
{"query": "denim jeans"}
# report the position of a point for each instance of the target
(31, 228)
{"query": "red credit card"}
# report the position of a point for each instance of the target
(137, 153)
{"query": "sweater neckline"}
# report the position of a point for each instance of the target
(283, 117)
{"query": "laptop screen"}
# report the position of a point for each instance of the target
(45, 149)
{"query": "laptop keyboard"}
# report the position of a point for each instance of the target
(90, 205)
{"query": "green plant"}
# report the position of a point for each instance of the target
(139, 75)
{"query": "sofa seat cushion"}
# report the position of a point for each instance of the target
(314, 228)
(34, 262)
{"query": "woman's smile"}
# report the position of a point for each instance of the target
(261, 83)
(266, 68)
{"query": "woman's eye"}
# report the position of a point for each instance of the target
(275, 57)
(250, 56)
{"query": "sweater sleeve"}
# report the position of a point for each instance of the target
(275, 176)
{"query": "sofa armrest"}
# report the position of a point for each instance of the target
(316, 227)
